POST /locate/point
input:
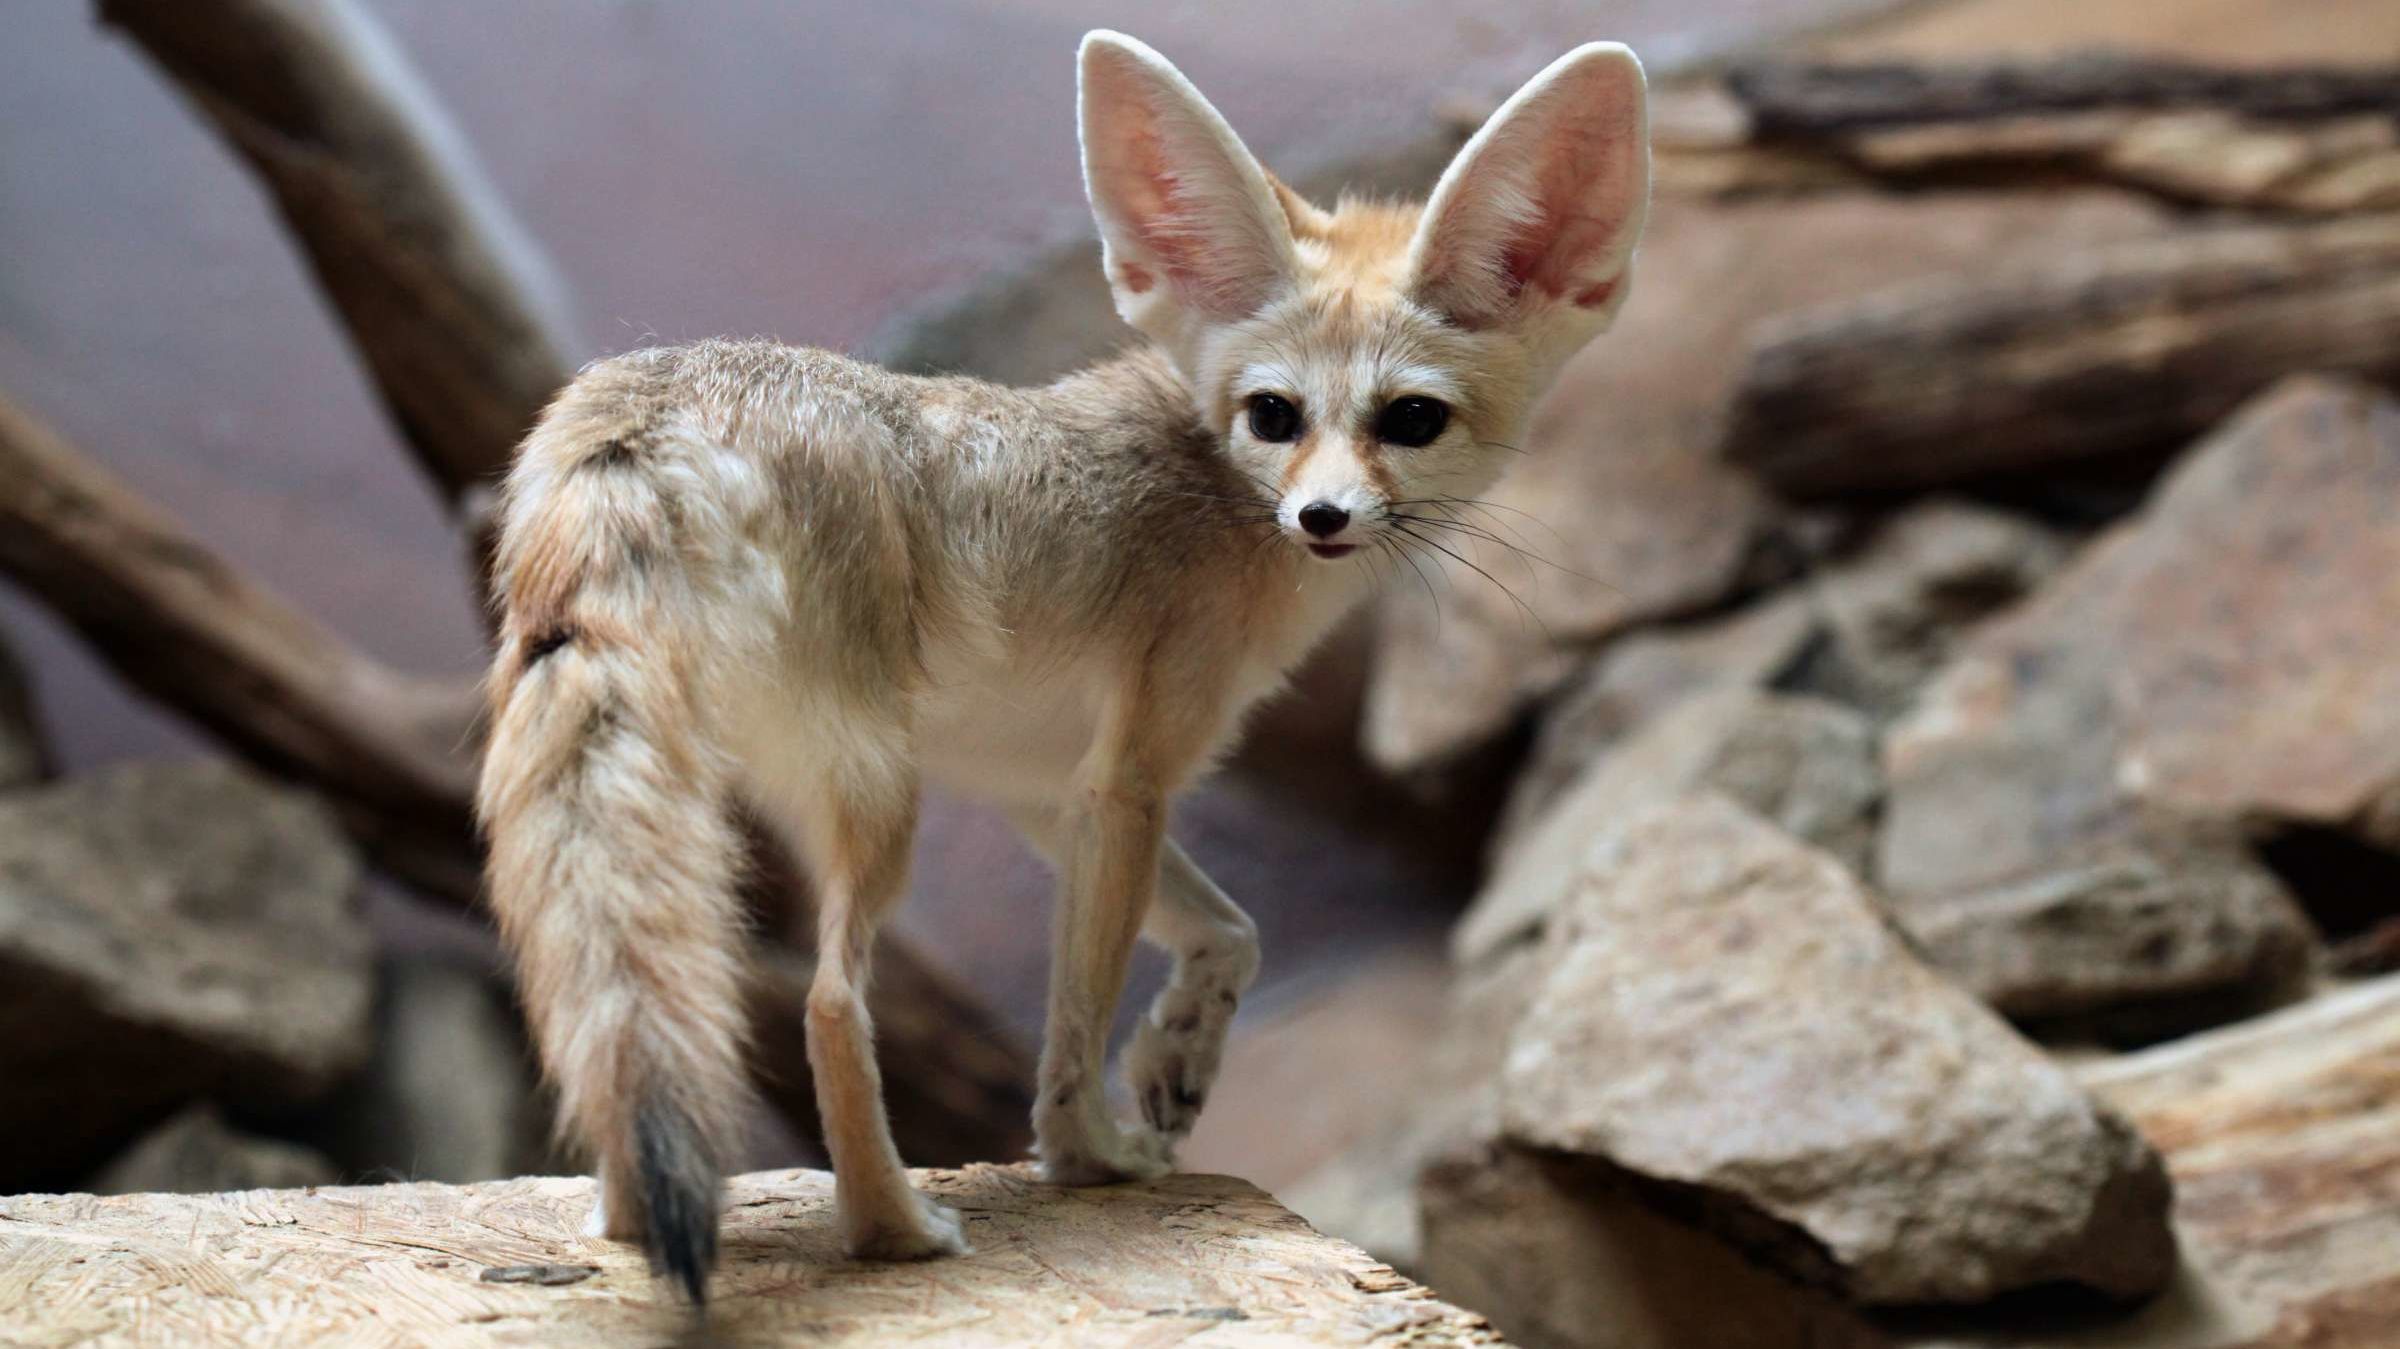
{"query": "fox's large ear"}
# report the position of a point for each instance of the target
(1190, 228)
(1545, 204)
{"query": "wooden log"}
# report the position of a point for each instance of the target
(444, 295)
(188, 630)
(1155, 1263)
(2298, 141)
(1814, 100)
(2132, 349)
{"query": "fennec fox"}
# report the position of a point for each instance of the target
(736, 566)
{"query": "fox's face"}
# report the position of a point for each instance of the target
(1369, 366)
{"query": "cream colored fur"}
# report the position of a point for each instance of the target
(742, 567)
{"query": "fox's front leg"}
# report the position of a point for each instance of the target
(1109, 837)
(1176, 1049)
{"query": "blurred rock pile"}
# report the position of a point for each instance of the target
(1887, 773)
(190, 998)
(1941, 653)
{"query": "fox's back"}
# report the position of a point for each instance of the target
(988, 552)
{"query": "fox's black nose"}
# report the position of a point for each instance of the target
(1323, 519)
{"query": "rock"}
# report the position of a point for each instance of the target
(2160, 929)
(2281, 1135)
(24, 757)
(1620, 489)
(1895, 610)
(2218, 665)
(1561, 1259)
(449, 1091)
(1729, 1021)
(1369, 1194)
(1804, 763)
(196, 1153)
(1866, 630)
(168, 930)
(1640, 676)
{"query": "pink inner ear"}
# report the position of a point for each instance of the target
(1162, 219)
(1583, 193)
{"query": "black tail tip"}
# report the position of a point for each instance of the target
(679, 1190)
(684, 1254)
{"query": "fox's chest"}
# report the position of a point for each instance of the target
(1007, 731)
(1010, 727)
(1014, 732)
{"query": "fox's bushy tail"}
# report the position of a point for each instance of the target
(613, 859)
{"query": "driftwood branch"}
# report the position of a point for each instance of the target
(185, 628)
(444, 296)
(1791, 99)
(2132, 349)
(2301, 140)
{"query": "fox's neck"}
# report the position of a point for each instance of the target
(1137, 406)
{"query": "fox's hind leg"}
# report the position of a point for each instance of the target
(857, 832)
(1173, 1059)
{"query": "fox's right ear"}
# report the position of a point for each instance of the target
(1190, 229)
(1538, 216)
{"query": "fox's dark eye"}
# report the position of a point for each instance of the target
(1273, 418)
(1412, 421)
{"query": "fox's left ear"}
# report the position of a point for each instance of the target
(1543, 207)
(1191, 231)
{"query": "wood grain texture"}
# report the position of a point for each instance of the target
(2309, 141)
(1206, 1259)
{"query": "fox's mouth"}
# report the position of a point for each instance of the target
(1330, 551)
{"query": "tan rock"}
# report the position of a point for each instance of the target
(1727, 1017)
(1806, 764)
(2220, 664)
(1620, 489)
(168, 930)
(1896, 608)
(1369, 1194)
(1866, 630)
(195, 1152)
(2280, 1134)
(1641, 675)
(1562, 1259)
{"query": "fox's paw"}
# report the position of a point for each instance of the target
(1107, 1158)
(918, 1229)
(1170, 1067)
